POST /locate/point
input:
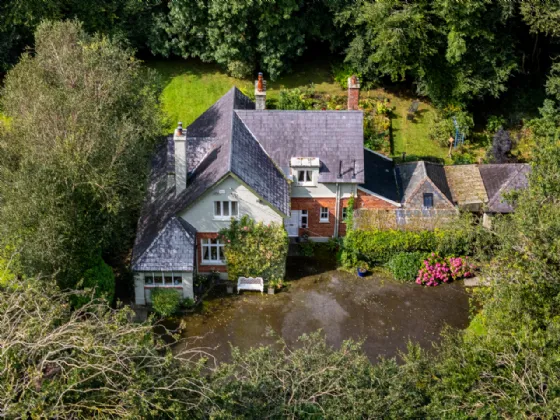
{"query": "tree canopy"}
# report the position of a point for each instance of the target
(73, 164)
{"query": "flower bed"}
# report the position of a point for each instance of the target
(437, 270)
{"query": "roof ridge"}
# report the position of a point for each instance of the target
(261, 146)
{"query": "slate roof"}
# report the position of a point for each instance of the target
(217, 144)
(466, 184)
(172, 250)
(379, 175)
(332, 136)
(500, 179)
(410, 175)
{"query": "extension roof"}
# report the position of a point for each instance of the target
(379, 176)
(466, 184)
(233, 139)
(500, 179)
(411, 175)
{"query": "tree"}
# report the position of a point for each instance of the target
(243, 35)
(501, 146)
(74, 162)
(454, 52)
(93, 362)
(125, 19)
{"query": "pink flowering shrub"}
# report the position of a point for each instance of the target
(437, 270)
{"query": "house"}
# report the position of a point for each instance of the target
(499, 181)
(299, 168)
(425, 194)
(466, 186)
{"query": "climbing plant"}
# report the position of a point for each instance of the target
(255, 249)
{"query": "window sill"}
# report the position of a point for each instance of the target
(324, 221)
(305, 185)
(212, 263)
(225, 219)
(166, 286)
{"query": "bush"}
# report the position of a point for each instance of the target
(404, 266)
(101, 280)
(442, 126)
(379, 246)
(295, 99)
(165, 302)
(255, 249)
(437, 270)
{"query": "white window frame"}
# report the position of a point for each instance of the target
(207, 243)
(308, 177)
(321, 218)
(303, 214)
(223, 205)
(176, 279)
(344, 214)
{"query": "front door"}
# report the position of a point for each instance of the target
(292, 224)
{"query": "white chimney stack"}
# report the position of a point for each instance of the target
(180, 140)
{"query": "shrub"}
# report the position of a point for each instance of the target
(165, 302)
(295, 99)
(404, 266)
(341, 73)
(307, 248)
(437, 270)
(255, 249)
(379, 246)
(100, 279)
(442, 126)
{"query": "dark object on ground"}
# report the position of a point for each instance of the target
(412, 110)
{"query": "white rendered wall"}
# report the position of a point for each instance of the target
(323, 191)
(143, 295)
(201, 214)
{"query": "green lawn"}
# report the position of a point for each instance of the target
(191, 87)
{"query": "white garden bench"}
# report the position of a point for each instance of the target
(250, 283)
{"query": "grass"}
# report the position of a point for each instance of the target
(191, 87)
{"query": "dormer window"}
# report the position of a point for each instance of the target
(305, 170)
(304, 177)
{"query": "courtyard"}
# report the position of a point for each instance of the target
(383, 313)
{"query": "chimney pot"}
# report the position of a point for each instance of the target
(180, 128)
(260, 92)
(260, 82)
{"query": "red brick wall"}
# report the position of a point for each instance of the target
(206, 268)
(313, 207)
(367, 201)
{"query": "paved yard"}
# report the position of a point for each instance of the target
(384, 313)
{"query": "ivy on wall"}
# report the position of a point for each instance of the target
(255, 249)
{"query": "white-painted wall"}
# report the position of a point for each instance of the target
(201, 214)
(143, 295)
(323, 191)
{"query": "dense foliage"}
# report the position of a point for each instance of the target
(93, 362)
(165, 302)
(244, 35)
(404, 266)
(379, 246)
(255, 249)
(74, 162)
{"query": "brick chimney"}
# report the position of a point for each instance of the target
(260, 92)
(353, 92)
(180, 141)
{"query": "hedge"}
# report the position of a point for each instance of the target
(379, 246)
(404, 266)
